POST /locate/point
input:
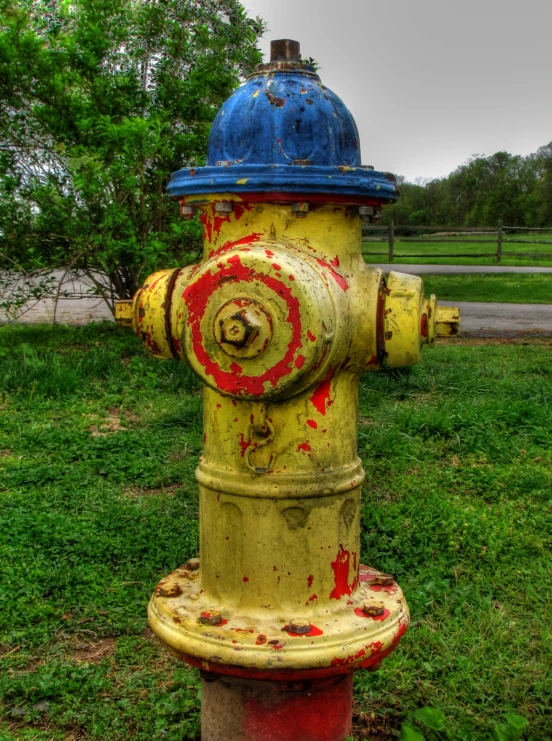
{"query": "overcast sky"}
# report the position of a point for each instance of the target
(429, 82)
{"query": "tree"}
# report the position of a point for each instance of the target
(100, 100)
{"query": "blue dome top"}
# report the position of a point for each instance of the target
(283, 132)
(285, 118)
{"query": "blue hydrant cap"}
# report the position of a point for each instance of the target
(284, 134)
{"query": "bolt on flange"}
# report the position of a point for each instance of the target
(373, 609)
(384, 580)
(299, 625)
(210, 617)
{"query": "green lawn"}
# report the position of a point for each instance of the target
(435, 252)
(510, 288)
(98, 445)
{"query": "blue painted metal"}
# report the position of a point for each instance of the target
(284, 132)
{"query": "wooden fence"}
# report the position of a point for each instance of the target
(370, 235)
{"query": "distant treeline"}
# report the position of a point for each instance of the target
(485, 190)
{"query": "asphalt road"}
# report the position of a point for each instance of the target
(454, 269)
(478, 319)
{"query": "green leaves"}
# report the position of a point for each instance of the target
(410, 734)
(431, 718)
(512, 730)
(101, 102)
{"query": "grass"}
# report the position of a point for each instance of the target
(98, 445)
(509, 288)
(436, 253)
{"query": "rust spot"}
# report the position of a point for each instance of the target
(175, 590)
(388, 335)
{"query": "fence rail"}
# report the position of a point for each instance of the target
(498, 253)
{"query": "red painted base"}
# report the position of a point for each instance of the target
(251, 710)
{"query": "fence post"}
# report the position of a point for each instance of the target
(391, 239)
(499, 242)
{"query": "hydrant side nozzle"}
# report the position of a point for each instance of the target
(123, 312)
(447, 321)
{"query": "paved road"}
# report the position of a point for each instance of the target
(453, 269)
(479, 319)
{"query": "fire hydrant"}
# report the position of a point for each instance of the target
(279, 320)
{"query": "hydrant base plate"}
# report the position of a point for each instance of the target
(340, 639)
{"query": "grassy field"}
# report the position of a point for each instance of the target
(98, 445)
(509, 288)
(436, 251)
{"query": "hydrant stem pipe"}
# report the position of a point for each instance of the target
(237, 709)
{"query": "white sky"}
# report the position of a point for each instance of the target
(429, 82)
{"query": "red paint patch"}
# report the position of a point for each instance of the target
(245, 578)
(290, 277)
(197, 296)
(378, 618)
(299, 361)
(176, 344)
(322, 714)
(321, 396)
(260, 639)
(314, 631)
(392, 589)
(335, 262)
(230, 245)
(235, 368)
(349, 659)
(305, 447)
(311, 337)
(312, 423)
(341, 568)
(276, 267)
(339, 279)
(310, 580)
(424, 327)
(244, 444)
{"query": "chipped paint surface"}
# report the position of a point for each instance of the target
(279, 438)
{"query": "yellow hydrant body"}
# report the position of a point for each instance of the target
(279, 320)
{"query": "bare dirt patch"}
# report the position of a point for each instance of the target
(370, 726)
(112, 423)
(94, 651)
(135, 492)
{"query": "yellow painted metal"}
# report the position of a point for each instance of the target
(279, 321)
(123, 312)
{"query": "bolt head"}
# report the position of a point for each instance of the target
(192, 564)
(373, 609)
(224, 207)
(299, 625)
(300, 208)
(239, 329)
(210, 617)
(188, 212)
(384, 580)
(366, 211)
